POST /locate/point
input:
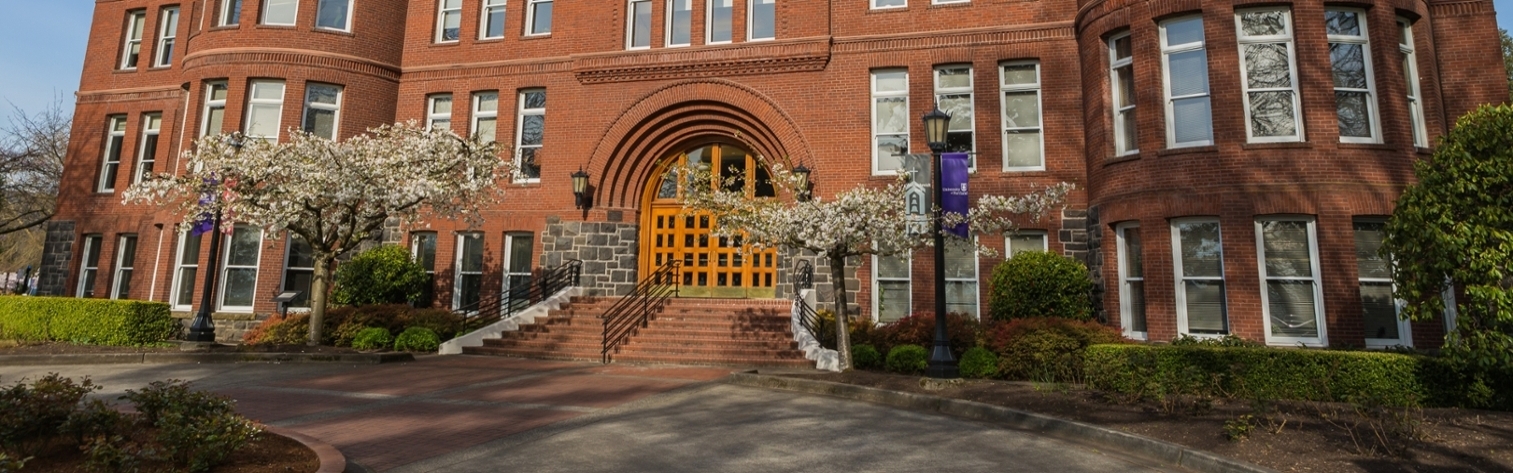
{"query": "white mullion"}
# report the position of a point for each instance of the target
(1292, 71)
(489, 7)
(532, 8)
(168, 27)
(877, 97)
(225, 276)
(877, 280)
(147, 149)
(460, 252)
(1320, 339)
(433, 116)
(124, 269)
(1410, 70)
(1180, 291)
(1169, 103)
(229, 16)
(475, 127)
(709, 22)
(632, 27)
(346, 21)
(252, 107)
(521, 111)
(1364, 41)
(941, 91)
(751, 20)
(1121, 148)
(131, 52)
(1038, 127)
(448, 10)
(178, 272)
(212, 105)
(89, 267)
(1126, 308)
(115, 139)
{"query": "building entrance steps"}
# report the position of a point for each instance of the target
(746, 332)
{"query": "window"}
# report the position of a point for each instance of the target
(961, 278)
(449, 21)
(953, 94)
(168, 30)
(423, 249)
(1292, 299)
(469, 267)
(115, 137)
(1354, 86)
(231, 13)
(186, 270)
(1184, 61)
(517, 269)
(334, 14)
(132, 51)
(215, 108)
(1379, 309)
(1020, 88)
(439, 112)
(719, 15)
(890, 120)
(638, 31)
(538, 17)
(90, 267)
(322, 110)
(889, 4)
(1122, 79)
(1410, 69)
(299, 270)
(147, 150)
(239, 278)
(1131, 282)
(491, 22)
(280, 12)
(485, 116)
(1269, 75)
(679, 22)
(264, 106)
(1026, 240)
(531, 123)
(1199, 257)
(890, 288)
(761, 20)
(126, 262)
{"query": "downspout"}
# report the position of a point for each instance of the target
(157, 260)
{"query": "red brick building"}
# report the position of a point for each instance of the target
(1233, 159)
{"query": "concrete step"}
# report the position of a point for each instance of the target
(704, 350)
(687, 333)
(593, 355)
(652, 340)
(710, 360)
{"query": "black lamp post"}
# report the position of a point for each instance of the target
(942, 364)
(580, 189)
(203, 327)
(802, 173)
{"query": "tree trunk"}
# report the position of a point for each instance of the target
(842, 319)
(319, 298)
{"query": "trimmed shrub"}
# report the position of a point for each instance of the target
(383, 275)
(280, 330)
(1040, 284)
(197, 430)
(1046, 349)
(31, 414)
(417, 339)
(865, 357)
(343, 323)
(978, 362)
(908, 359)
(372, 338)
(918, 329)
(86, 321)
(443, 323)
(1231, 341)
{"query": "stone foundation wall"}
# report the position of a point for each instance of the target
(229, 328)
(608, 251)
(1083, 240)
(57, 255)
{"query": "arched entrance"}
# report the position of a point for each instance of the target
(712, 266)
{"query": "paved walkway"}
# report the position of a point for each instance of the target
(481, 414)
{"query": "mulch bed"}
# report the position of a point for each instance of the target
(268, 454)
(1285, 436)
(63, 348)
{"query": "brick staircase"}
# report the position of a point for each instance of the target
(744, 332)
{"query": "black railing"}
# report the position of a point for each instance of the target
(804, 279)
(518, 297)
(809, 319)
(635, 309)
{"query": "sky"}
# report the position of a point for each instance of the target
(42, 49)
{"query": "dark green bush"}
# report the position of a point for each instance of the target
(865, 357)
(343, 323)
(978, 362)
(197, 430)
(10, 465)
(917, 329)
(442, 322)
(417, 339)
(908, 359)
(31, 414)
(1040, 284)
(383, 275)
(1046, 349)
(86, 321)
(372, 338)
(1229, 341)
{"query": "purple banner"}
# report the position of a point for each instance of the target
(953, 189)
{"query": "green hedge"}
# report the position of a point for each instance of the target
(86, 321)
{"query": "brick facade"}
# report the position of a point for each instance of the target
(802, 97)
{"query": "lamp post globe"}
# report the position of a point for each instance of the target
(942, 363)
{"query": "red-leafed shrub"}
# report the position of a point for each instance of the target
(1046, 349)
(918, 329)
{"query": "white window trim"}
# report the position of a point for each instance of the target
(1039, 110)
(116, 276)
(1404, 327)
(1008, 241)
(976, 278)
(226, 17)
(283, 276)
(92, 242)
(1125, 308)
(225, 271)
(212, 104)
(1180, 289)
(483, 18)
(415, 249)
(877, 292)
(630, 25)
(112, 149)
(178, 267)
(252, 99)
(167, 33)
(347, 21)
(457, 272)
(970, 90)
(509, 252)
(335, 109)
(530, 17)
(432, 116)
(1373, 112)
(1318, 287)
(948, 2)
(872, 106)
(1120, 147)
(667, 25)
(441, 22)
(478, 113)
(1292, 65)
(1415, 103)
(709, 23)
(751, 21)
(264, 13)
(136, 24)
(520, 113)
(152, 124)
(1169, 102)
(873, 4)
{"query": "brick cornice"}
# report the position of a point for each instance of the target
(955, 38)
(487, 69)
(292, 57)
(767, 57)
(135, 94)
(1460, 8)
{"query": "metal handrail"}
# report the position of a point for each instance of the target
(506, 303)
(809, 320)
(635, 309)
(805, 277)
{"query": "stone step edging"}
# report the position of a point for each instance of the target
(131, 358)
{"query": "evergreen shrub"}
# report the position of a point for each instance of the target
(372, 338)
(383, 275)
(865, 357)
(908, 359)
(978, 362)
(1040, 284)
(86, 321)
(418, 339)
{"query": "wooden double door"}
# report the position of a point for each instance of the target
(712, 266)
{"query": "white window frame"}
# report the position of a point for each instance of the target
(115, 141)
(976, 278)
(89, 271)
(488, 9)
(1008, 241)
(530, 18)
(123, 270)
(1126, 308)
(1404, 327)
(630, 24)
(432, 116)
(335, 108)
(212, 104)
(970, 91)
(227, 15)
(225, 271)
(709, 22)
(875, 6)
(415, 238)
(1322, 340)
(510, 238)
(1168, 101)
(877, 287)
(283, 282)
(178, 270)
(441, 21)
(1039, 110)
(152, 124)
(131, 51)
(667, 24)
(948, 2)
(1364, 41)
(168, 32)
(253, 101)
(1292, 64)
(346, 22)
(264, 13)
(479, 114)
(1180, 289)
(751, 21)
(458, 273)
(1115, 63)
(520, 113)
(1408, 49)
(908, 124)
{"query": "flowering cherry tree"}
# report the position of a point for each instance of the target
(855, 222)
(331, 194)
